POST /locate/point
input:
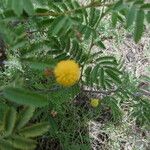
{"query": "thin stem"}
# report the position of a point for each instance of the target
(35, 31)
(101, 91)
(146, 93)
(89, 52)
(93, 4)
(92, 42)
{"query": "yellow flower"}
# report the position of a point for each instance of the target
(94, 102)
(67, 72)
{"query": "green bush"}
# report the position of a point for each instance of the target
(42, 34)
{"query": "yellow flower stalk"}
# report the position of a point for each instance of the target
(67, 72)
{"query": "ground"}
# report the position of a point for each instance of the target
(136, 57)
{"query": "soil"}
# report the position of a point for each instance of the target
(136, 59)
(45, 143)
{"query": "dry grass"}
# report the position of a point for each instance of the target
(126, 135)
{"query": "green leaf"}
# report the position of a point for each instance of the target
(95, 55)
(87, 73)
(114, 19)
(109, 59)
(148, 16)
(118, 5)
(17, 6)
(3, 111)
(45, 23)
(138, 2)
(64, 6)
(25, 117)
(10, 120)
(96, 18)
(9, 3)
(54, 6)
(107, 63)
(94, 73)
(100, 44)
(139, 26)
(69, 4)
(113, 76)
(5, 145)
(25, 97)
(101, 78)
(146, 6)
(68, 94)
(28, 7)
(75, 4)
(35, 130)
(41, 10)
(60, 23)
(115, 70)
(131, 16)
(88, 32)
(91, 16)
(79, 54)
(62, 56)
(36, 65)
(116, 111)
(22, 143)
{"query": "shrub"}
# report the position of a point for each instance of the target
(53, 45)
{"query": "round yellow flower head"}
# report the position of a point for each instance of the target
(94, 102)
(67, 72)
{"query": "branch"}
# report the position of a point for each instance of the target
(101, 91)
(108, 92)
(93, 4)
(142, 93)
(35, 31)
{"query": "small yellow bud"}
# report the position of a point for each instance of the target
(94, 102)
(48, 72)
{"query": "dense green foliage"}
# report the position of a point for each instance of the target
(39, 34)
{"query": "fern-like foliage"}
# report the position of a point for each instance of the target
(103, 72)
(132, 12)
(14, 131)
(39, 34)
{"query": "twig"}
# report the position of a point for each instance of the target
(35, 31)
(142, 93)
(95, 4)
(138, 94)
(101, 91)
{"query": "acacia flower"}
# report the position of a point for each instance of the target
(67, 72)
(94, 102)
